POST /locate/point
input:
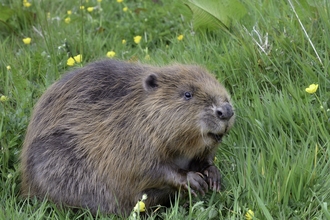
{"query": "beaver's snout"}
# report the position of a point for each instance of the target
(224, 112)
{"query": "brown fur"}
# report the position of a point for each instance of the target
(105, 134)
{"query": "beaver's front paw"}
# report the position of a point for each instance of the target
(213, 177)
(196, 183)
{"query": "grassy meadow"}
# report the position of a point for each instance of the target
(276, 160)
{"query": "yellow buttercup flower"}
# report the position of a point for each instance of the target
(3, 98)
(69, 12)
(99, 0)
(27, 40)
(123, 41)
(90, 9)
(119, 1)
(78, 58)
(111, 54)
(312, 88)
(137, 39)
(26, 4)
(180, 37)
(140, 207)
(249, 214)
(67, 20)
(8, 67)
(82, 7)
(125, 9)
(70, 62)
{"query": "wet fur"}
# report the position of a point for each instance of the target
(107, 133)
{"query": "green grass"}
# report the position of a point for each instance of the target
(276, 159)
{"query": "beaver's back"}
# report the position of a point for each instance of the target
(70, 112)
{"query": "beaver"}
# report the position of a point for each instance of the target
(107, 133)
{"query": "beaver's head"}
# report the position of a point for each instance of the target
(189, 107)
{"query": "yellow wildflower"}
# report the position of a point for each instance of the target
(125, 9)
(69, 12)
(26, 4)
(8, 67)
(111, 54)
(119, 1)
(140, 207)
(180, 37)
(27, 40)
(70, 62)
(123, 41)
(82, 7)
(99, 0)
(312, 88)
(67, 20)
(137, 39)
(90, 9)
(249, 214)
(78, 58)
(3, 98)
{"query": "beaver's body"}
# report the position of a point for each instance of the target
(108, 133)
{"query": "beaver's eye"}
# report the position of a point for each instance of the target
(187, 95)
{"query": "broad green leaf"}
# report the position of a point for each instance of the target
(203, 18)
(214, 14)
(5, 13)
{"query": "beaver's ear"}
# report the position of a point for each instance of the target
(150, 83)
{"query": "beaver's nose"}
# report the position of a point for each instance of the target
(225, 111)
